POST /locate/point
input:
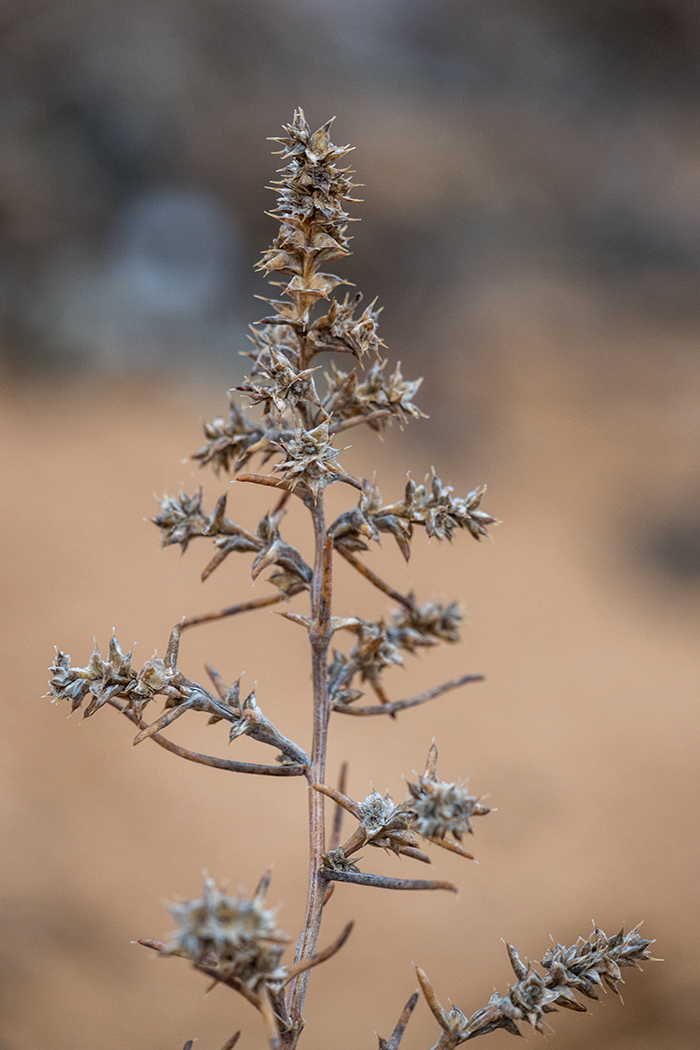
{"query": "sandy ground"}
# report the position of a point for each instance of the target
(585, 734)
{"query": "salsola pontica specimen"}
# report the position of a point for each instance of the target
(292, 418)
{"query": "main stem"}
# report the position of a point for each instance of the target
(319, 637)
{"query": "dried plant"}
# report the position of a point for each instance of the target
(300, 417)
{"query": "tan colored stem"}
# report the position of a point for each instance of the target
(414, 701)
(384, 882)
(338, 815)
(210, 971)
(232, 610)
(340, 799)
(397, 1034)
(230, 1043)
(358, 840)
(319, 957)
(320, 634)
(377, 581)
(431, 998)
(356, 421)
(210, 760)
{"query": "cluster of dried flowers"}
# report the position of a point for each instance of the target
(298, 416)
(584, 967)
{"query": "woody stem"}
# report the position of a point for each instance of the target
(319, 637)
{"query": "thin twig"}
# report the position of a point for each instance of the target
(415, 854)
(217, 682)
(383, 882)
(405, 600)
(277, 483)
(338, 815)
(210, 971)
(356, 421)
(347, 479)
(319, 957)
(281, 503)
(453, 847)
(401, 705)
(397, 1034)
(358, 840)
(380, 692)
(268, 1016)
(340, 799)
(230, 1043)
(211, 760)
(323, 618)
(232, 610)
(265, 479)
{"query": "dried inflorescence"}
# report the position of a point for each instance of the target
(430, 505)
(381, 645)
(106, 680)
(585, 967)
(309, 458)
(433, 809)
(116, 680)
(440, 809)
(294, 422)
(232, 935)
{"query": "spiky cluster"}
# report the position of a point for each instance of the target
(592, 963)
(236, 937)
(115, 680)
(381, 644)
(106, 680)
(430, 505)
(432, 810)
(442, 809)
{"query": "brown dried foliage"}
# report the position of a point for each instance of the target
(298, 415)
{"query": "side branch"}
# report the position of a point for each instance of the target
(402, 599)
(211, 760)
(400, 705)
(356, 421)
(323, 621)
(319, 957)
(210, 971)
(232, 610)
(337, 831)
(397, 1034)
(384, 882)
(278, 483)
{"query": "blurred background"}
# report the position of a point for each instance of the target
(531, 226)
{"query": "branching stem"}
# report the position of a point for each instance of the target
(210, 760)
(400, 705)
(232, 610)
(320, 634)
(384, 882)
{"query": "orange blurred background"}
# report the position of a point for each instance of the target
(531, 227)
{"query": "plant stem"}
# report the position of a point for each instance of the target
(209, 760)
(320, 634)
(414, 701)
(407, 601)
(232, 610)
